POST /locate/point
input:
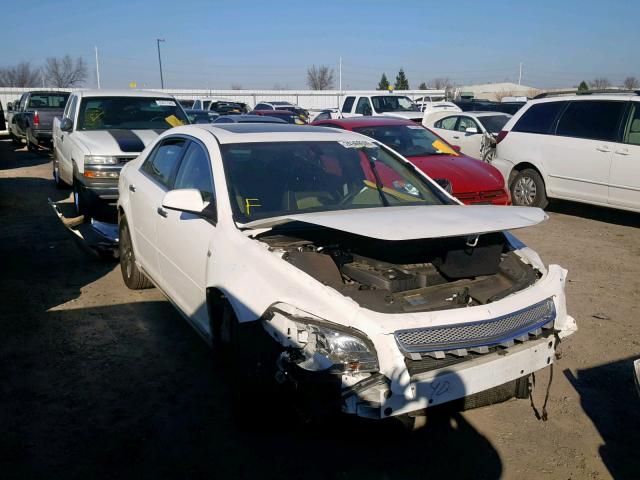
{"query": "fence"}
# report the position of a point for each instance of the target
(310, 99)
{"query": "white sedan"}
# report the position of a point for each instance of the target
(326, 260)
(473, 132)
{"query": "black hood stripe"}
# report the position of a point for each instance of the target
(127, 140)
(159, 131)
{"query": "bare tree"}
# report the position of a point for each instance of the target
(600, 83)
(236, 86)
(280, 86)
(22, 75)
(441, 83)
(64, 72)
(631, 83)
(320, 78)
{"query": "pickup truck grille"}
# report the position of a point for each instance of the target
(516, 325)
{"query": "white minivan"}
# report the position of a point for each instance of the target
(584, 148)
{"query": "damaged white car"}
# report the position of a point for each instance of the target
(355, 274)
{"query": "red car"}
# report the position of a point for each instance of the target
(286, 115)
(472, 181)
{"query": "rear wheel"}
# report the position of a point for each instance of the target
(528, 190)
(131, 274)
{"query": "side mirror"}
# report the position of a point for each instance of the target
(66, 125)
(471, 130)
(189, 200)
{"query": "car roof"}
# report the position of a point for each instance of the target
(355, 122)
(277, 102)
(122, 93)
(269, 132)
(581, 97)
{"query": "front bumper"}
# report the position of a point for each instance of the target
(492, 197)
(504, 167)
(373, 398)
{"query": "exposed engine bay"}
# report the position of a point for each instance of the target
(408, 275)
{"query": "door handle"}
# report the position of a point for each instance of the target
(456, 136)
(603, 149)
(132, 188)
(622, 151)
(162, 212)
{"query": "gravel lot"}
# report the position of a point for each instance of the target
(97, 381)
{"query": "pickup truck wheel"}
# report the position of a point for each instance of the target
(131, 274)
(528, 190)
(79, 201)
(59, 183)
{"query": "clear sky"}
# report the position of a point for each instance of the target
(261, 44)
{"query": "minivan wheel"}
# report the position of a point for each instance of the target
(528, 190)
(131, 274)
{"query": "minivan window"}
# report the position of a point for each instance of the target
(539, 118)
(592, 119)
(632, 133)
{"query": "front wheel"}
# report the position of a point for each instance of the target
(131, 274)
(528, 190)
(79, 200)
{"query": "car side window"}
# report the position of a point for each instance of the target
(632, 130)
(466, 122)
(195, 172)
(591, 119)
(364, 106)
(348, 104)
(448, 123)
(197, 105)
(23, 102)
(162, 162)
(539, 118)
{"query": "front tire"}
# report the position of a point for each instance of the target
(131, 274)
(528, 189)
(79, 200)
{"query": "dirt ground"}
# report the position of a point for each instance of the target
(97, 381)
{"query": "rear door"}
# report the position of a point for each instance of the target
(577, 159)
(147, 188)
(185, 240)
(624, 184)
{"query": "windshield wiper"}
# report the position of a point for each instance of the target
(379, 185)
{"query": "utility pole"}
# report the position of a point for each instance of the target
(520, 75)
(340, 76)
(97, 67)
(158, 40)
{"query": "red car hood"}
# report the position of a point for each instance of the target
(466, 174)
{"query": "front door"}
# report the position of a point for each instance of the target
(148, 187)
(184, 240)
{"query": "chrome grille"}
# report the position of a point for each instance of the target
(476, 334)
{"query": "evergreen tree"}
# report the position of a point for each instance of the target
(384, 83)
(401, 81)
(423, 86)
(583, 86)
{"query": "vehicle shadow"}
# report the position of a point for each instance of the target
(13, 157)
(605, 394)
(592, 212)
(130, 391)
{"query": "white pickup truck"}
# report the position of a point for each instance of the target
(100, 131)
(388, 105)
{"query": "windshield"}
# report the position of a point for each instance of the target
(392, 103)
(279, 178)
(104, 113)
(494, 123)
(408, 140)
(228, 107)
(48, 100)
